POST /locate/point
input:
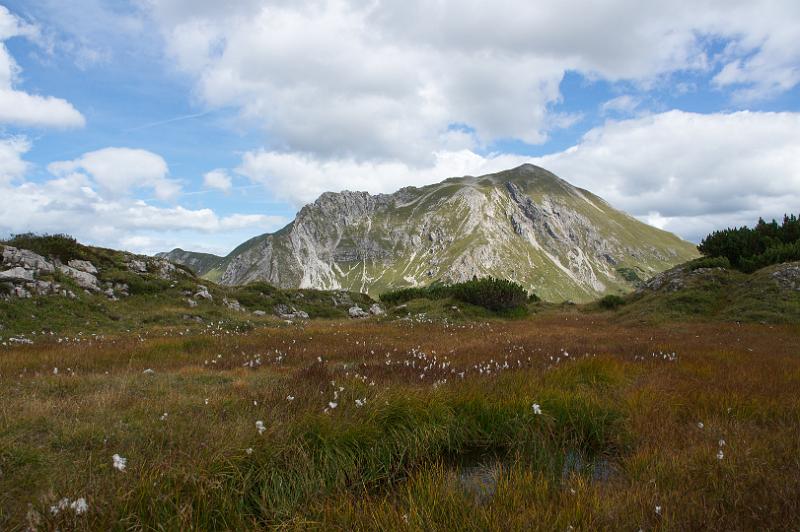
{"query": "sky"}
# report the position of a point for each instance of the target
(153, 124)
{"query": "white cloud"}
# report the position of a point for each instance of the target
(75, 201)
(691, 172)
(218, 179)
(21, 108)
(118, 170)
(12, 166)
(622, 105)
(351, 79)
(300, 178)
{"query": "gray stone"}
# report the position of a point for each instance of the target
(356, 312)
(26, 258)
(259, 313)
(191, 302)
(17, 275)
(203, 292)
(232, 304)
(376, 310)
(87, 281)
(138, 266)
(83, 265)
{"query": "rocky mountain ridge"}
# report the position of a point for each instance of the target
(525, 224)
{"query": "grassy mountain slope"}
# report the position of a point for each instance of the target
(524, 224)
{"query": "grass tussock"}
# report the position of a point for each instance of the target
(567, 419)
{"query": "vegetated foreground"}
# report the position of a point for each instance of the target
(556, 421)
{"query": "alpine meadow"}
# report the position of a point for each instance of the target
(414, 266)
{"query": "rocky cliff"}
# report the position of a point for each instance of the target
(524, 224)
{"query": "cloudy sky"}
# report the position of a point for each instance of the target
(151, 124)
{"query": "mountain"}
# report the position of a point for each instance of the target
(524, 224)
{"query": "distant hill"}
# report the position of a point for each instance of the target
(525, 224)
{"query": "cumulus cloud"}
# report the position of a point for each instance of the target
(685, 172)
(376, 80)
(118, 170)
(689, 172)
(21, 108)
(218, 179)
(75, 200)
(300, 178)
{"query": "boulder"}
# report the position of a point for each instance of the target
(376, 310)
(17, 275)
(203, 292)
(27, 259)
(83, 265)
(287, 313)
(232, 304)
(87, 281)
(191, 302)
(356, 312)
(138, 266)
(259, 313)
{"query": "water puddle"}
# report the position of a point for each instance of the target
(478, 475)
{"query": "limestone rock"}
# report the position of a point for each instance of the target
(27, 259)
(87, 281)
(83, 265)
(202, 291)
(356, 312)
(17, 275)
(232, 304)
(376, 310)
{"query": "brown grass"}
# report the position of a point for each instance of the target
(394, 463)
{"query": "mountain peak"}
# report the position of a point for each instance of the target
(524, 224)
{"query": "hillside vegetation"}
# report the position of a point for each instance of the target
(749, 249)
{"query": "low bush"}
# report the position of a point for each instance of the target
(60, 246)
(611, 301)
(709, 262)
(488, 292)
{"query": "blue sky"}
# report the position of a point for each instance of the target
(152, 124)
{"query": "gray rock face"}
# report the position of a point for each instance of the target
(17, 275)
(232, 304)
(83, 265)
(357, 312)
(259, 313)
(137, 266)
(27, 259)
(289, 313)
(787, 276)
(202, 291)
(87, 281)
(526, 225)
(376, 310)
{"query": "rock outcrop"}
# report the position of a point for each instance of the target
(525, 224)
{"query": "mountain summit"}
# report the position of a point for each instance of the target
(525, 224)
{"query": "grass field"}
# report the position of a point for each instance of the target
(406, 425)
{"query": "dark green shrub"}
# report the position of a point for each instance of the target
(611, 302)
(709, 262)
(490, 293)
(749, 249)
(60, 246)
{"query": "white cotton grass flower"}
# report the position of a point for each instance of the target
(249, 450)
(163, 416)
(537, 409)
(658, 510)
(290, 398)
(361, 402)
(63, 504)
(721, 443)
(260, 427)
(120, 463)
(720, 455)
(79, 506)
(205, 400)
(332, 405)
(700, 425)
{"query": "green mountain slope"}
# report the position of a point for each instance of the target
(524, 224)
